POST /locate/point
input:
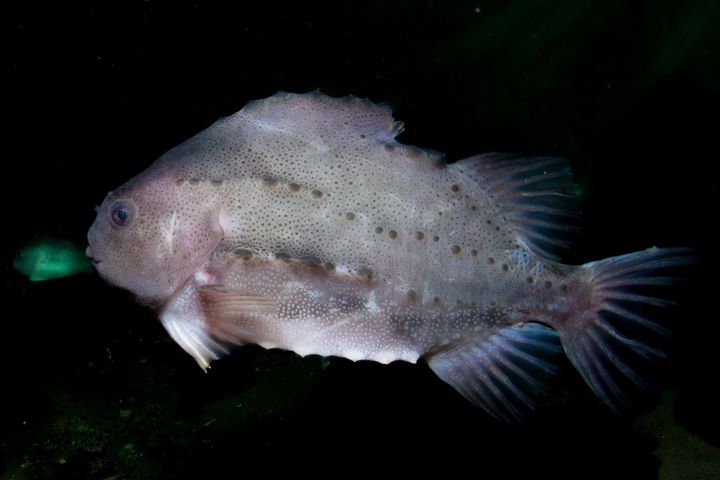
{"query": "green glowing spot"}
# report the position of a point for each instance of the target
(580, 190)
(51, 258)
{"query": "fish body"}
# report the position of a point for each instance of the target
(301, 223)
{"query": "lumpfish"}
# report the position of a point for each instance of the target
(301, 223)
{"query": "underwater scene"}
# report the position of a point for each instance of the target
(341, 276)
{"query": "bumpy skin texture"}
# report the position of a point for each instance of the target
(301, 223)
(169, 233)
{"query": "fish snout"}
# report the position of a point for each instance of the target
(90, 253)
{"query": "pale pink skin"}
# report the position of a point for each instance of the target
(325, 235)
(300, 223)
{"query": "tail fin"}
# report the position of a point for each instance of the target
(614, 343)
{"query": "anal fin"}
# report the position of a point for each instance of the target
(505, 372)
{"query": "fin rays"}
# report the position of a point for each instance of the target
(618, 344)
(627, 314)
(534, 193)
(503, 372)
(193, 338)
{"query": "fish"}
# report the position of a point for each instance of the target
(301, 223)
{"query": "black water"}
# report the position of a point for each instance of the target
(92, 387)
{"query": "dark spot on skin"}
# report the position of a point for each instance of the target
(270, 182)
(392, 234)
(530, 280)
(455, 188)
(294, 187)
(456, 249)
(330, 266)
(194, 181)
(489, 222)
(216, 182)
(412, 295)
(497, 227)
(179, 181)
(505, 267)
(389, 147)
(473, 252)
(491, 261)
(564, 288)
(437, 300)
(366, 272)
(548, 284)
(350, 216)
(362, 135)
(419, 235)
(317, 194)
(473, 207)
(242, 253)
(378, 230)
(436, 238)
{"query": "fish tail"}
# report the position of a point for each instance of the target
(616, 333)
(611, 322)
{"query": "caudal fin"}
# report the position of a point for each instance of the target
(622, 336)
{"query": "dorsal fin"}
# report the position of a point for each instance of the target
(316, 113)
(535, 194)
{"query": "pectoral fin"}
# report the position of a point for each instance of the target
(237, 316)
(204, 320)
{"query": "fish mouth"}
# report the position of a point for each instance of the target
(90, 253)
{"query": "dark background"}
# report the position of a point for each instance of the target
(92, 387)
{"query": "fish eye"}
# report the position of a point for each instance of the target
(121, 214)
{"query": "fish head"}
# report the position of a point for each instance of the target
(154, 233)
